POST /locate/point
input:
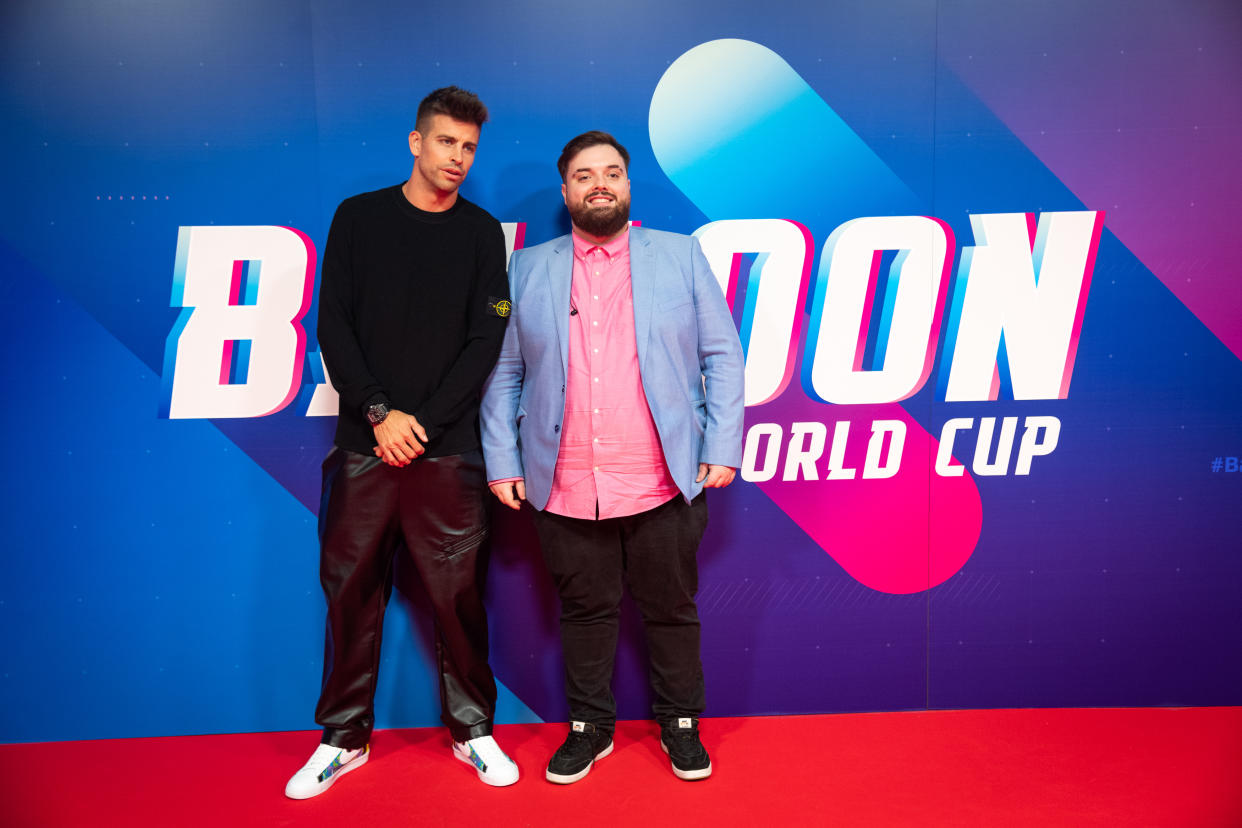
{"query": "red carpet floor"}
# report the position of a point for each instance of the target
(1148, 767)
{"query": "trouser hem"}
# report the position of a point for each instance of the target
(345, 739)
(465, 734)
(608, 726)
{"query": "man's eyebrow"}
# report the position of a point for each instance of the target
(609, 167)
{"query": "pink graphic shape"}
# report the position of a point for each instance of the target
(1072, 353)
(735, 274)
(226, 361)
(901, 535)
(308, 291)
(239, 268)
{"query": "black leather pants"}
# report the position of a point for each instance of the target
(436, 506)
(654, 553)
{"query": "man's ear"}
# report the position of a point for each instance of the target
(416, 143)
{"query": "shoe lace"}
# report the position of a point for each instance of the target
(579, 741)
(682, 737)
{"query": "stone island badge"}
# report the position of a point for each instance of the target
(500, 307)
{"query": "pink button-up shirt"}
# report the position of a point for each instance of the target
(610, 451)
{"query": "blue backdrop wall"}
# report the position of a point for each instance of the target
(979, 254)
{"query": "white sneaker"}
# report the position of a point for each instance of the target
(489, 761)
(326, 765)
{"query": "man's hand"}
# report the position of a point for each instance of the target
(398, 439)
(510, 492)
(714, 477)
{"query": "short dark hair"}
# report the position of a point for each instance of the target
(459, 104)
(586, 140)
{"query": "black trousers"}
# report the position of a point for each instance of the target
(655, 554)
(436, 506)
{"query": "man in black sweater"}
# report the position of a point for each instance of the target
(412, 310)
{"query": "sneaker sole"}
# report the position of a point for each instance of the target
(688, 775)
(483, 777)
(570, 778)
(352, 765)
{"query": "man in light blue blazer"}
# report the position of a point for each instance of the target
(616, 400)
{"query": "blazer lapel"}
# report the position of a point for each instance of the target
(560, 272)
(642, 285)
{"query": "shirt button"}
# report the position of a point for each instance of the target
(596, 322)
(595, 350)
(595, 297)
(597, 411)
(556, 428)
(597, 379)
(596, 440)
(597, 468)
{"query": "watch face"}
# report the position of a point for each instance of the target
(377, 413)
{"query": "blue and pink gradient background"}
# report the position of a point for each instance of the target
(159, 576)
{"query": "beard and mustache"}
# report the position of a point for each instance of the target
(602, 220)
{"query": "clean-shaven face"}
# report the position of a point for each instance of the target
(445, 150)
(597, 191)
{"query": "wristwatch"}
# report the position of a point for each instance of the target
(377, 413)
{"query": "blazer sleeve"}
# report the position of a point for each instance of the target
(498, 413)
(722, 365)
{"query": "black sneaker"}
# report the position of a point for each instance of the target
(680, 740)
(574, 758)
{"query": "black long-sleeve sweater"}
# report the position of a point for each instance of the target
(410, 315)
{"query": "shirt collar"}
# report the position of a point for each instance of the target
(616, 245)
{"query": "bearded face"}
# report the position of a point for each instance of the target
(597, 192)
(601, 214)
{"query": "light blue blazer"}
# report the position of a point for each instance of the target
(689, 357)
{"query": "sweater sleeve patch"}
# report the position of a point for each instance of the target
(498, 306)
